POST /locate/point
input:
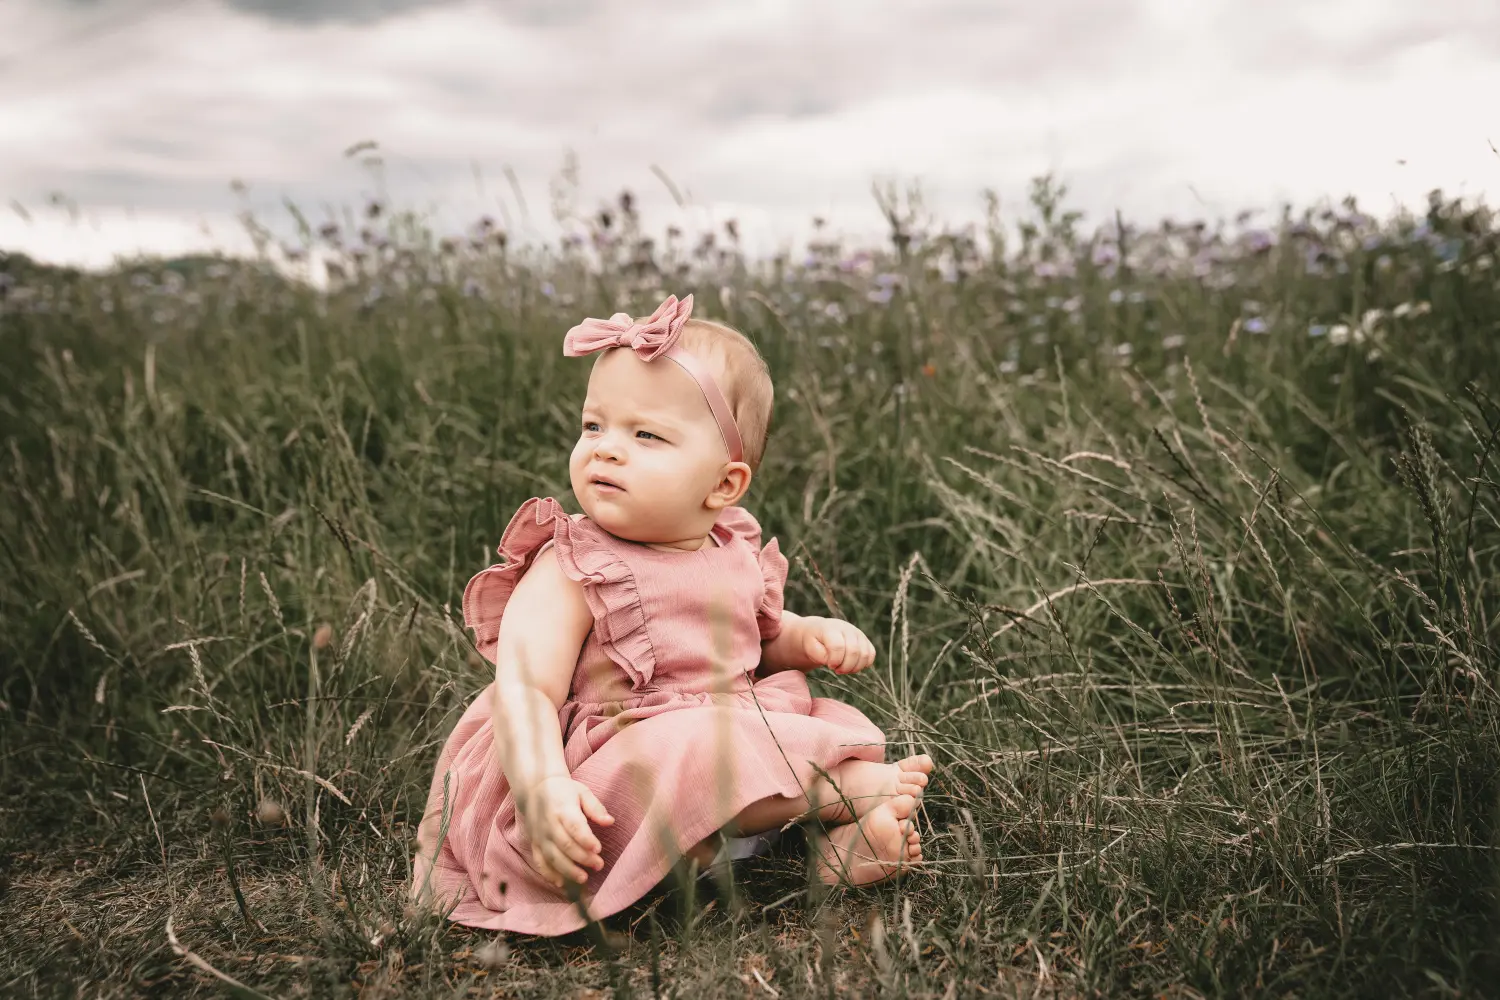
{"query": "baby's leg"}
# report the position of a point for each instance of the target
(860, 786)
(706, 850)
(858, 783)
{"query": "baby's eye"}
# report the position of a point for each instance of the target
(647, 434)
(589, 425)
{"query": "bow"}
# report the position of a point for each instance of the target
(648, 338)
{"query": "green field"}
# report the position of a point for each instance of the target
(1180, 547)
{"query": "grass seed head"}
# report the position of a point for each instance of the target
(493, 955)
(270, 813)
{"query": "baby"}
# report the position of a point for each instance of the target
(650, 694)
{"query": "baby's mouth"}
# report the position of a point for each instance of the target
(605, 484)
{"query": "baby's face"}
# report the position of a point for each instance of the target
(648, 434)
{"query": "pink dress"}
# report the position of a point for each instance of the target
(664, 721)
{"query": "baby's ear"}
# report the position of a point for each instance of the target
(733, 484)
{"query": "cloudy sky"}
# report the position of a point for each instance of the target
(140, 113)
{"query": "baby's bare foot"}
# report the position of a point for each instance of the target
(881, 844)
(865, 785)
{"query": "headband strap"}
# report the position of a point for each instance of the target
(653, 337)
(716, 401)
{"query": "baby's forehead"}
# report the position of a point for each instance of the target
(635, 404)
(644, 388)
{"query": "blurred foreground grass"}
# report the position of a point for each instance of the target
(1180, 547)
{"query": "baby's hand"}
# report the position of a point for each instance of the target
(556, 813)
(836, 644)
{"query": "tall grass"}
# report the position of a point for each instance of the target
(1180, 548)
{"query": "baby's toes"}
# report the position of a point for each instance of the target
(919, 762)
(911, 782)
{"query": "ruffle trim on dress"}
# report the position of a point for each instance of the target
(773, 569)
(609, 586)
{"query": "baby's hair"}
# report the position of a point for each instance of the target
(745, 380)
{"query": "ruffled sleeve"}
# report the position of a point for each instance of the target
(585, 556)
(773, 569)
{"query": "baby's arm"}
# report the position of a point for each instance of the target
(544, 626)
(805, 643)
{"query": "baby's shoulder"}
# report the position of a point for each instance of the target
(741, 524)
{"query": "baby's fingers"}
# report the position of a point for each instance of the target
(579, 842)
(838, 648)
(544, 867)
(561, 864)
(813, 648)
(593, 808)
(860, 655)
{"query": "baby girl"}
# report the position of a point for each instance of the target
(650, 695)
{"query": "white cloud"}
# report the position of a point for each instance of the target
(766, 110)
(97, 236)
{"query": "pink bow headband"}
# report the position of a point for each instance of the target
(653, 337)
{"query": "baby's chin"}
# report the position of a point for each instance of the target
(615, 517)
(609, 514)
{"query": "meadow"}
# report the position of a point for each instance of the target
(1180, 546)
